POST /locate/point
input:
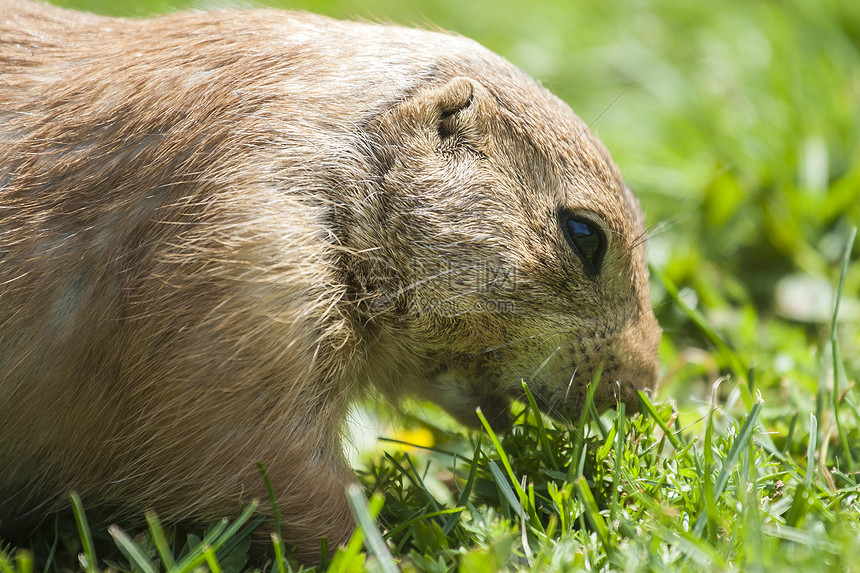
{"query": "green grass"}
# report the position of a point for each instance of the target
(738, 124)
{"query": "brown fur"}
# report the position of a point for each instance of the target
(219, 229)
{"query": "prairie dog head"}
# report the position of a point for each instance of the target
(509, 249)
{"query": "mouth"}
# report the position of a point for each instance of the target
(567, 404)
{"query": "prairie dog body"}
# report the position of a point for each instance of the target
(219, 229)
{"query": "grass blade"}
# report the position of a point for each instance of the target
(592, 513)
(740, 443)
(579, 443)
(211, 560)
(544, 440)
(834, 348)
(619, 455)
(503, 456)
(366, 518)
(86, 535)
(159, 540)
(670, 435)
(811, 448)
(127, 545)
(697, 318)
(505, 487)
(467, 489)
(276, 511)
(738, 446)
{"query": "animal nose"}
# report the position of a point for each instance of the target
(642, 359)
(633, 366)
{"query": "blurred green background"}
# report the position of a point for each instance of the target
(737, 124)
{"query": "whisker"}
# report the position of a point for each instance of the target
(526, 339)
(544, 363)
(612, 103)
(569, 385)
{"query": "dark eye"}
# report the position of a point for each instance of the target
(587, 240)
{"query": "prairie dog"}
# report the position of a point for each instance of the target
(219, 229)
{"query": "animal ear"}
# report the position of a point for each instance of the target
(460, 110)
(452, 102)
(453, 113)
